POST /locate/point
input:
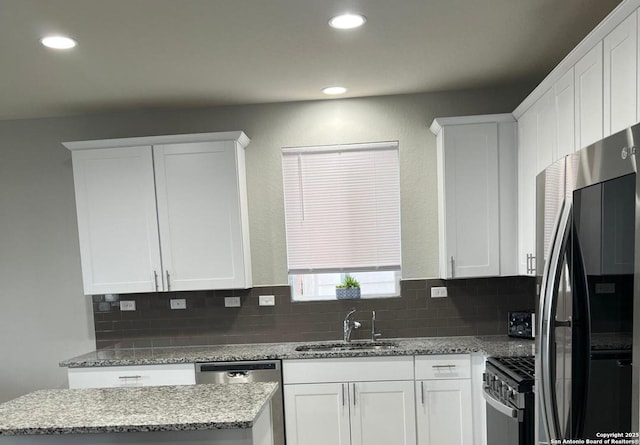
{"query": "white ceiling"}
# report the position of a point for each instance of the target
(175, 53)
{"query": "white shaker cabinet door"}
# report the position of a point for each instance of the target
(199, 214)
(588, 98)
(444, 412)
(317, 414)
(117, 222)
(527, 146)
(564, 92)
(472, 208)
(382, 413)
(620, 50)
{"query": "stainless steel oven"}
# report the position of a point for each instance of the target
(508, 392)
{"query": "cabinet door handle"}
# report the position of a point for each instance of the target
(422, 392)
(530, 263)
(127, 377)
(155, 279)
(449, 367)
(343, 398)
(168, 281)
(354, 394)
(453, 268)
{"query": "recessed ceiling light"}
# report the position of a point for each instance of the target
(58, 42)
(347, 21)
(334, 90)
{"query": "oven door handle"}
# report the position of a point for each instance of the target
(501, 407)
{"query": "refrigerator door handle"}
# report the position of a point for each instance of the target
(552, 269)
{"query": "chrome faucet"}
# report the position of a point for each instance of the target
(374, 334)
(348, 325)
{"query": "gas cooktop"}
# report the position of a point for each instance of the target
(518, 372)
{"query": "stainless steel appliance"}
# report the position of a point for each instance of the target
(508, 392)
(587, 362)
(522, 324)
(245, 372)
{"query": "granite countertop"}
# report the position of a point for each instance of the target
(119, 410)
(498, 345)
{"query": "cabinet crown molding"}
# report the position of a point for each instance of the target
(440, 122)
(238, 136)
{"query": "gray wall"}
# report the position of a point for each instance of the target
(44, 316)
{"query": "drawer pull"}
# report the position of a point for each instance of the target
(449, 367)
(132, 377)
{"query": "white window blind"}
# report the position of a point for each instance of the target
(342, 208)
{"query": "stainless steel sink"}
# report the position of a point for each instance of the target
(351, 346)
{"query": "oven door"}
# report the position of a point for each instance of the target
(505, 424)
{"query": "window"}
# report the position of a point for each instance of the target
(342, 213)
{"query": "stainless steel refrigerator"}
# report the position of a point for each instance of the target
(588, 264)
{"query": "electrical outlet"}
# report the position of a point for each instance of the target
(267, 300)
(178, 303)
(438, 292)
(231, 301)
(127, 305)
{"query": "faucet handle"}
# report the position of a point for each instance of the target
(356, 324)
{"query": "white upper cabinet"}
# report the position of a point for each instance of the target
(162, 213)
(117, 223)
(200, 216)
(476, 195)
(620, 50)
(589, 98)
(591, 94)
(527, 170)
(564, 92)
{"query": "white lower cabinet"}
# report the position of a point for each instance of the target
(356, 413)
(317, 414)
(444, 400)
(325, 405)
(128, 376)
(444, 412)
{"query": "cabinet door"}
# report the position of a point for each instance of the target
(589, 102)
(382, 413)
(620, 50)
(546, 135)
(527, 144)
(199, 216)
(444, 412)
(564, 93)
(117, 223)
(472, 210)
(317, 414)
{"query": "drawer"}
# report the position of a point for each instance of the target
(123, 376)
(449, 366)
(355, 369)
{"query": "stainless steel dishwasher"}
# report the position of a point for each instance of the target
(247, 372)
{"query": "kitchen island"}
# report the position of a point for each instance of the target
(213, 414)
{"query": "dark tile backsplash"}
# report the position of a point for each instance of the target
(474, 307)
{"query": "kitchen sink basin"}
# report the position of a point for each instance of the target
(352, 346)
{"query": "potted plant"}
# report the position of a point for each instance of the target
(349, 289)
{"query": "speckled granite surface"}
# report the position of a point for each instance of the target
(490, 345)
(157, 408)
